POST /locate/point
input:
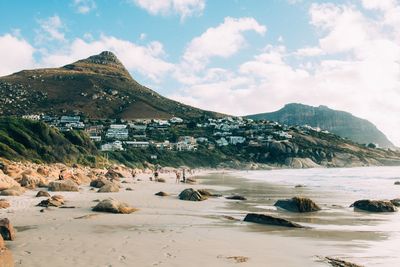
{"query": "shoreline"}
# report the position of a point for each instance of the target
(166, 231)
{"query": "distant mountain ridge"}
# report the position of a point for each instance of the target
(98, 86)
(341, 123)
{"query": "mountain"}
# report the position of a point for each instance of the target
(98, 87)
(338, 122)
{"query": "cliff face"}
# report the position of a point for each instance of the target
(341, 123)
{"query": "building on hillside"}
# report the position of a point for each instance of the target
(70, 119)
(137, 144)
(138, 127)
(118, 126)
(117, 133)
(114, 146)
(176, 120)
(234, 140)
(222, 142)
(182, 146)
(95, 138)
(187, 139)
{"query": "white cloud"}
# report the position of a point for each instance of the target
(184, 8)
(51, 29)
(347, 28)
(15, 53)
(222, 41)
(357, 69)
(309, 52)
(84, 6)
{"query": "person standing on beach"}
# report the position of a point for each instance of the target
(184, 175)
(178, 177)
(156, 175)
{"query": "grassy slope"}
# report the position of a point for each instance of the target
(30, 140)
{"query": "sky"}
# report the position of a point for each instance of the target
(238, 57)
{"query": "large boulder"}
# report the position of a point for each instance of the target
(113, 206)
(270, 220)
(6, 259)
(99, 182)
(374, 205)
(42, 194)
(63, 185)
(13, 191)
(6, 181)
(49, 203)
(297, 204)
(7, 230)
(30, 179)
(191, 194)
(109, 188)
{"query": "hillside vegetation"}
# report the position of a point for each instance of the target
(22, 139)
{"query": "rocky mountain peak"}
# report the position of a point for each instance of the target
(105, 63)
(104, 58)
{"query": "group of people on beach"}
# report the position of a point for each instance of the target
(177, 175)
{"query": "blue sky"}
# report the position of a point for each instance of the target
(233, 56)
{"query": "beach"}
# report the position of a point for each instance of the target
(166, 231)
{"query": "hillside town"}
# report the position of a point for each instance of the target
(176, 133)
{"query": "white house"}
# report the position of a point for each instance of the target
(176, 120)
(222, 142)
(114, 146)
(137, 144)
(234, 140)
(118, 126)
(95, 138)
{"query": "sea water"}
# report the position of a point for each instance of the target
(371, 239)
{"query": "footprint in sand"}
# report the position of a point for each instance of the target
(122, 258)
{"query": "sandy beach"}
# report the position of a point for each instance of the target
(166, 231)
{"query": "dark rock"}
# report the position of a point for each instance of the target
(236, 197)
(162, 194)
(129, 189)
(191, 195)
(397, 183)
(270, 220)
(49, 203)
(340, 263)
(7, 230)
(160, 180)
(374, 205)
(297, 204)
(43, 194)
(396, 202)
